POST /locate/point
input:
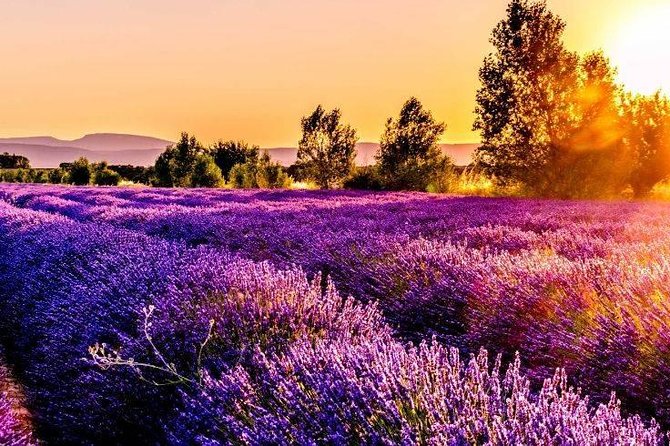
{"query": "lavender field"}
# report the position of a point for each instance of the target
(174, 316)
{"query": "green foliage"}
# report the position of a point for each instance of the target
(327, 149)
(103, 176)
(648, 139)
(134, 174)
(38, 176)
(549, 120)
(442, 176)
(229, 153)
(13, 161)
(409, 156)
(174, 166)
(262, 173)
(271, 175)
(56, 176)
(243, 176)
(206, 173)
(80, 172)
(364, 178)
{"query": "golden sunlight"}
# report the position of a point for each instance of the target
(641, 50)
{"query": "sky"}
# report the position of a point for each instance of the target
(249, 69)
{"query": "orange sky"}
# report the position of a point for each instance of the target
(251, 68)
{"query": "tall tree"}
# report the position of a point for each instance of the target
(524, 110)
(13, 161)
(592, 159)
(408, 152)
(80, 172)
(327, 149)
(648, 138)
(229, 153)
(205, 172)
(174, 166)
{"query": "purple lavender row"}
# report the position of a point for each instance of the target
(287, 360)
(580, 285)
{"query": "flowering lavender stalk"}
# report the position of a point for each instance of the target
(579, 285)
(385, 393)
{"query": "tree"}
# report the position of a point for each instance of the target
(8, 161)
(80, 172)
(163, 175)
(229, 153)
(327, 149)
(592, 159)
(174, 166)
(103, 176)
(243, 176)
(261, 173)
(408, 152)
(648, 139)
(56, 176)
(270, 175)
(135, 174)
(524, 106)
(205, 172)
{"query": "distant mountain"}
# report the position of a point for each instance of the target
(47, 151)
(112, 142)
(106, 142)
(51, 156)
(461, 154)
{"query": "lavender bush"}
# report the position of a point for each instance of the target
(247, 294)
(384, 393)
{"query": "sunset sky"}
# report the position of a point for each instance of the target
(249, 69)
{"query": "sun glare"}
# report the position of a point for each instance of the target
(641, 51)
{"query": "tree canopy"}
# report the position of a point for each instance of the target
(229, 153)
(409, 155)
(327, 149)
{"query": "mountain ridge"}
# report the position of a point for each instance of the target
(139, 150)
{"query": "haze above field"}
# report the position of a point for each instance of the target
(250, 69)
(47, 151)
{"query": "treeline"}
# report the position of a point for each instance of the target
(409, 157)
(236, 163)
(552, 123)
(80, 172)
(559, 124)
(8, 161)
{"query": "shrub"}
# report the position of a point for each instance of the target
(364, 178)
(206, 173)
(271, 175)
(80, 172)
(106, 177)
(243, 176)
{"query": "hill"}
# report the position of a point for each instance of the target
(51, 156)
(106, 142)
(47, 151)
